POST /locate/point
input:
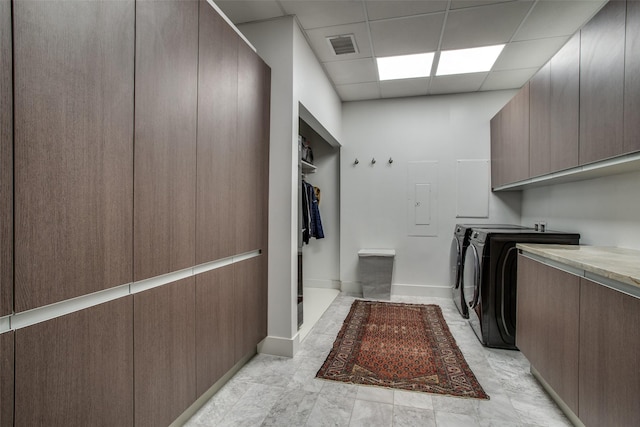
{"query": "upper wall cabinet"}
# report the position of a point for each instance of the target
(217, 137)
(539, 122)
(511, 145)
(564, 106)
(602, 49)
(165, 136)
(497, 154)
(74, 67)
(6, 161)
(632, 79)
(554, 102)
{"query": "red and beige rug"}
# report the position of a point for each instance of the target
(402, 346)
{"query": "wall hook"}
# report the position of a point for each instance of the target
(390, 160)
(356, 161)
(373, 161)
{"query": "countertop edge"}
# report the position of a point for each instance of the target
(625, 269)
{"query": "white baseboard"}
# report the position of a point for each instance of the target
(404, 290)
(278, 346)
(421, 291)
(351, 287)
(322, 283)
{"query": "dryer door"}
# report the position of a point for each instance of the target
(471, 276)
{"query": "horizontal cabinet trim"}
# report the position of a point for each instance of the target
(48, 312)
(612, 166)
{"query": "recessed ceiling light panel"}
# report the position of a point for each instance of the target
(405, 66)
(474, 60)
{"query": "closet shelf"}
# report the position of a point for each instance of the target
(308, 167)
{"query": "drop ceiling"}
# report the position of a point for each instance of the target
(533, 31)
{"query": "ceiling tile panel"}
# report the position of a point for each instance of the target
(393, 9)
(483, 26)
(247, 11)
(528, 54)
(557, 18)
(358, 92)
(316, 14)
(402, 88)
(406, 35)
(348, 72)
(510, 79)
(533, 31)
(322, 48)
(456, 83)
(461, 4)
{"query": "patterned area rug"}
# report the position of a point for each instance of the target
(403, 346)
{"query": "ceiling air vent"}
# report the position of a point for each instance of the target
(343, 44)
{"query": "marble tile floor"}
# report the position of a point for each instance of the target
(277, 391)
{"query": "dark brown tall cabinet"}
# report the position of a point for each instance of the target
(6, 161)
(77, 369)
(217, 138)
(165, 352)
(632, 79)
(165, 136)
(602, 84)
(73, 65)
(97, 195)
(6, 379)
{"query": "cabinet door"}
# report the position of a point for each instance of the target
(165, 347)
(249, 159)
(215, 311)
(77, 370)
(564, 106)
(515, 134)
(548, 325)
(74, 65)
(6, 161)
(217, 137)
(602, 84)
(609, 356)
(497, 150)
(632, 79)
(515, 131)
(539, 107)
(165, 136)
(6, 379)
(250, 306)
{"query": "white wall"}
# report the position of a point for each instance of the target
(605, 211)
(296, 77)
(274, 43)
(321, 257)
(374, 198)
(312, 88)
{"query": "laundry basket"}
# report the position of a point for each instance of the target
(375, 271)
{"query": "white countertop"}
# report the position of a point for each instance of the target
(619, 264)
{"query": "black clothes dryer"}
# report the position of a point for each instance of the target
(490, 276)
(459, 244)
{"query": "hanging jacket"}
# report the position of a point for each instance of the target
(312, 223)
